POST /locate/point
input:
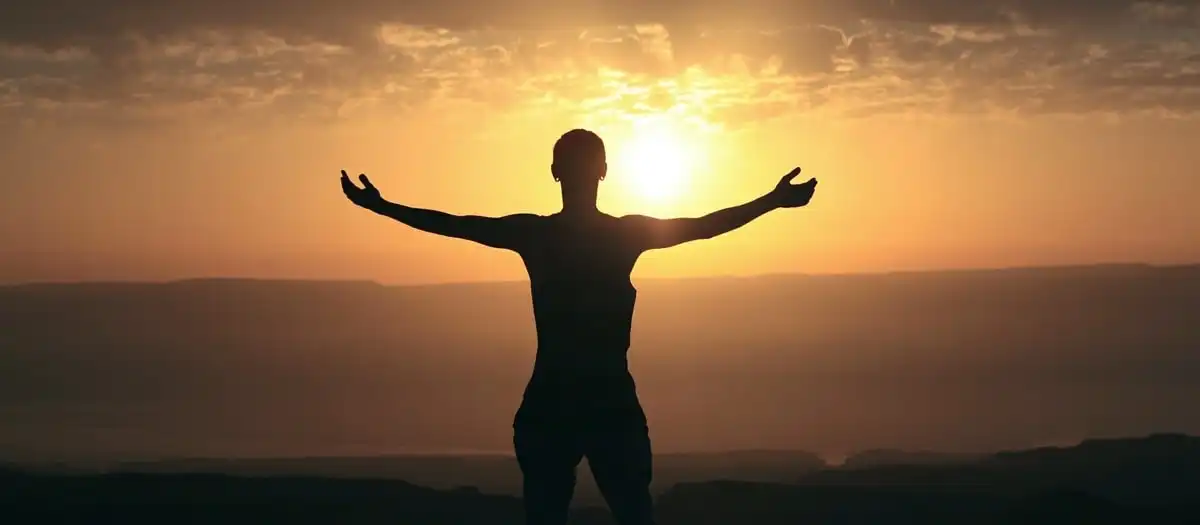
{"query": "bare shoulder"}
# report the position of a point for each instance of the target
(522, 219)
(638, 221)
(524, 216)
(642, 227)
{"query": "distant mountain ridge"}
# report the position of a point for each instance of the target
(1036, 493)
(1153, 479)
(1154, 470)
(892, 457)
(490, 473)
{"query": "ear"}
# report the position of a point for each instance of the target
(603, 170)
(554, 173)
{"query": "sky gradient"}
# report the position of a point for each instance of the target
(166, 139)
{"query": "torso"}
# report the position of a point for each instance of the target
(583, 304)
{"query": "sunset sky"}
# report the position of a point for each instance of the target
(163, 139)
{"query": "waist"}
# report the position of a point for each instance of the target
(577, 399)
(575, 391)
(581, 373)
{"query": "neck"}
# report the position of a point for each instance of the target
(579, 208)
(579, 202)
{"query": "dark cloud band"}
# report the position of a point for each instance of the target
(854, 57)
(53, 23)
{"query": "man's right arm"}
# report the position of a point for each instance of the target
(510, 232)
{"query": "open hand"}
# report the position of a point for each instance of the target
(367, 196)
(789, 195)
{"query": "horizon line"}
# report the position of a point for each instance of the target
(953, 269)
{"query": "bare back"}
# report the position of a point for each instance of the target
(583, 303)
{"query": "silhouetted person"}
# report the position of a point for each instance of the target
(581, 400)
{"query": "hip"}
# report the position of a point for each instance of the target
(597, 413)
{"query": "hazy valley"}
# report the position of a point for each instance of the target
(959, 362)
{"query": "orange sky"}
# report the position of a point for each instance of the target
(157, 147)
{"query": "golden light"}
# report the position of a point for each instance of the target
(655, 161)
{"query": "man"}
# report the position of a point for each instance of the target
(581, 400)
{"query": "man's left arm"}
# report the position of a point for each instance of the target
(663, 233)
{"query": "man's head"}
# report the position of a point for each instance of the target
(579, 159)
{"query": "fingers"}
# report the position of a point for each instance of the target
(787, 179)
(365, 181)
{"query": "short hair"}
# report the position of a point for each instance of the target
(577, 147)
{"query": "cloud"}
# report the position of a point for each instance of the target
(733, 62)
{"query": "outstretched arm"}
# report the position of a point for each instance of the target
(496, 232)
(664, 233)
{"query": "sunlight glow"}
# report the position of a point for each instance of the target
(656, 161)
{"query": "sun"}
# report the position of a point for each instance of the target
(655, 161)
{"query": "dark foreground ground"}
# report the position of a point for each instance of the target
(1153, 480)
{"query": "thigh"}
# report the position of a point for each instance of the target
(548, 460)
(622, 464)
